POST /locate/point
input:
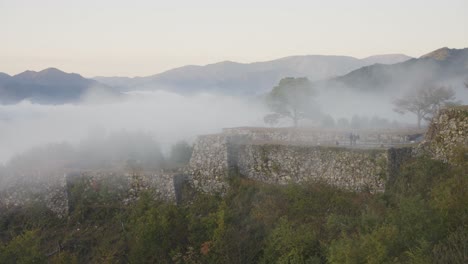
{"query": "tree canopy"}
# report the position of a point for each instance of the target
(425, 102)
(291, 98)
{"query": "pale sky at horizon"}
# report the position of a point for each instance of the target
(139, 38)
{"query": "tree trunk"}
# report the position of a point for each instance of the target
(419, 120)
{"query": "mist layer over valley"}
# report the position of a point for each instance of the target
(165, 117)
(52, 106)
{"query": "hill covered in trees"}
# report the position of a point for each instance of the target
(442, 67)
(421, 218)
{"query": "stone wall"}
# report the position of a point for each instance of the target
(214, 156)
(47, 189)
(276, 156)
(282, 163)
(447, 134)
(129, 184)
(55, 190)
(353, 169)
(324, 136)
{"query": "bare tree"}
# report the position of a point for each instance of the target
(425, 102)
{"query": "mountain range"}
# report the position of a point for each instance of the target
(49, 86)
(381, 74)
(441, 67)
(234, 78)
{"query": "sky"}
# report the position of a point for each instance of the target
(145, 37)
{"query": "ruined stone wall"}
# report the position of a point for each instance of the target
(323, 136)
(281, 163)
(129, 184)
(447, 135)
(214, 156)
(55, 190)
(47, 189)
(353, 169)
(209, 163)
(276, 156)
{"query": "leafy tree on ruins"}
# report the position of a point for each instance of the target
(425, 102)
(291, 98)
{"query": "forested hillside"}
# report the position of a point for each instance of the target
(421, 218)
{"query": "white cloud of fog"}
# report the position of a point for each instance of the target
(167, 116)
(346, 103)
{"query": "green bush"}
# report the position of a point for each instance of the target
(23, 248)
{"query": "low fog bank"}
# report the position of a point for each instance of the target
(163, 116)
(142, 125)
(119, 151)
(342, 102)
(346, 104)
(116, 151)
(351, 110)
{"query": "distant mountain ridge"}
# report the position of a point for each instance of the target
(49, 86)
(386, 59)
(234, 78)
(441, 54)
(443, 66)
(392, 73)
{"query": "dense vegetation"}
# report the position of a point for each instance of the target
(421, 218)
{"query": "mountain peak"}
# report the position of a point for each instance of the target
(4, 75)
(443, 66)
(25, 75)
(439, 54)
(52, 71)
(46, 74)
(224, 63)
(50, 86)
(55, 73)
